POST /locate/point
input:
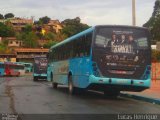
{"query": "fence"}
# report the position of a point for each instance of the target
(155, 70)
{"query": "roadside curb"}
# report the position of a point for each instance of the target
(142, 98)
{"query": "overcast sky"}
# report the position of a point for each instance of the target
(92, 12)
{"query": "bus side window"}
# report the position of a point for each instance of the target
(77, 48)
(83, 42)
(88, 43)
(81, 48)
(54, 56)
(70, 47)
(74, 48)
(51, 55)
(61, 52)
(58, 54)
(66, 52)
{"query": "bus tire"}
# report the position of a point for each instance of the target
(111, 93)
(71, 88)
(35, 78)
(54, 85)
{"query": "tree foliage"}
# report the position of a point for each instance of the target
(60, 37)
(9, 15)
(73, 26)
(6, 31)
(49, 44)
(155, 55)
(28, 28)
(31, 34)
(156, 29)
(4, 49)
(29, 39)
(156, 10)
(44, 20)
(1, 16)
(154, 22)
(49, 36)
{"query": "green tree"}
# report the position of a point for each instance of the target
(1, 16)
(49, 44)
(156, 11)
(28, 28)
(9, 15)
(155, 55)
(60, 37)
(6, 31)
(73, 26)
(44, 20)
(155, 14)
(154, 22)
(2, 48)
(49, 36)
(29, 40)
(155, 30)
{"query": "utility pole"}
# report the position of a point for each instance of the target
(133, 13)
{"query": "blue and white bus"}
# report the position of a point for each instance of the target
(2, 70)
(105, 57)
(40, 67)
(27, 66)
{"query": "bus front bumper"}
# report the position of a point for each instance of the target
(40, 75)
(118, 83)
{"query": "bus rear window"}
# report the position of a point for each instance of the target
(121, 38)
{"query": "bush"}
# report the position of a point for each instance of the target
(155, 55)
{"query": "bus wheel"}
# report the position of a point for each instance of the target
(111, 93)
(54, 85)
(71, 88)
(35, 78)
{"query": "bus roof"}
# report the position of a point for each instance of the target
(22, 63)
(125, 26)
(73, 37)
(90, 30)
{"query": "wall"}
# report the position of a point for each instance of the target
(156, 71)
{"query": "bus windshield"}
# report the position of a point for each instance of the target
(40, 65)
(27, 65)
(125, 51)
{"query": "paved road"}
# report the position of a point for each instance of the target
(22, 95)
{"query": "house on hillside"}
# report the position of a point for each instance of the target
(18, 23)
(53, 25)
(13, 42)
